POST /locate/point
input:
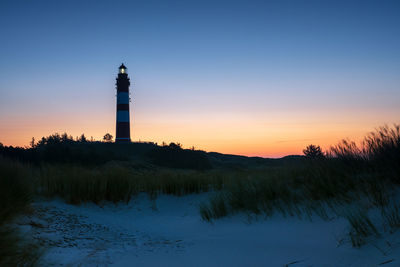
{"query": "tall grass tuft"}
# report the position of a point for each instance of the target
(16, 189)
(216, 209)
(361, 228)
(383, 145)
(378, 153)
(391, 214)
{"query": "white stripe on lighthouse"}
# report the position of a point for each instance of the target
(123, 98)
(123, 116)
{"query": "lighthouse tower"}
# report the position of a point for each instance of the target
(123, 126)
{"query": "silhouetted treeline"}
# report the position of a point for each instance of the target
(64, 148)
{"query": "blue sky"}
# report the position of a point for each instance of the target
(316, 62)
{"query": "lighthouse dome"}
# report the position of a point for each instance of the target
(122, 68)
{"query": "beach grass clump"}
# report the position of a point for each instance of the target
(16, 192)
(383, 145)
(379, 152)
(16, 188)
(217, 208)
(16, 250)
(361, 227)
(391, 214)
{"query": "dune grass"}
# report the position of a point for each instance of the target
(118, 182)
(322, 186)
(361, 227)
(16, 191)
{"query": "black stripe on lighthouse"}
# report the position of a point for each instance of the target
(122, 106)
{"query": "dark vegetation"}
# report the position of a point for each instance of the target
(80, 170)
(58, 148)
(64, 149)
(16, 192)
(346, 181)
(174, 156)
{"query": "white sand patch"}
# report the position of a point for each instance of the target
(170, 232)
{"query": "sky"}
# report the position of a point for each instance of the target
(256, 78)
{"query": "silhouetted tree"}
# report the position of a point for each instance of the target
(107, 137)
(82, 138)
(66, 138)
(313, 152)
(32, 143)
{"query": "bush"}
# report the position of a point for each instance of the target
(313, 152)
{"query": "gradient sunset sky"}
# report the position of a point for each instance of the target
(257, 78)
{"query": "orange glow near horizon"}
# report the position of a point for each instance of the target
(276, 135)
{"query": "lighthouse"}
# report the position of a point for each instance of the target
(123, 133)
